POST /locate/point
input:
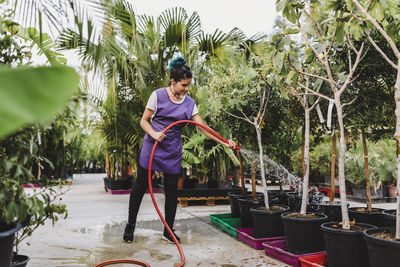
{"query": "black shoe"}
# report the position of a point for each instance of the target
(167, 237)
(128, 233)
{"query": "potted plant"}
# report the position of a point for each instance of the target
(57, 83)
(326, 68)
(357, 169)
(24, 213)
(254, 80)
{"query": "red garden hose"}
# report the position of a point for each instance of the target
(142, 263)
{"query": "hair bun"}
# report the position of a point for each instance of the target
(177, 63)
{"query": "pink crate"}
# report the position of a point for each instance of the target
(276, 250)
(30, 185)
(119, 192)
(128, 191)
(246, 236)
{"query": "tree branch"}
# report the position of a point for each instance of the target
(307, 74)
(379, 28)
(381, 51)
(237, 117)
(313, 92)
(349, 103)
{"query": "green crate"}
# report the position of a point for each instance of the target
(226, 222)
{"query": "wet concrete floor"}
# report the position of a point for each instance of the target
(92, 233)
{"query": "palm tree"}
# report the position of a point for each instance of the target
(133, 52)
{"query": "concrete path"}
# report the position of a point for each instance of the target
(92, 233)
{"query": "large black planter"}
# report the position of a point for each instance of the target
(292, 200)
(233, 201)
(379, 193)
(21, 259)
(382, 252)
(245, 206)
(268, 223)
(285, 197)
(303, 235)
(374, 218)
(389, 219)
(333, 211)
(105, 180)
(120, 184)
(345, 248)
(7, 235)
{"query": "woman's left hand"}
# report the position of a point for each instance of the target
(231, 144)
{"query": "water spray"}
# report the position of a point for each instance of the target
(182, 263)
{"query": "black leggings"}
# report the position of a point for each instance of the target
(140, 187)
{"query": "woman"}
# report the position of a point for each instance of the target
(165, 106)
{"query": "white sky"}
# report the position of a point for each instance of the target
(251, 16)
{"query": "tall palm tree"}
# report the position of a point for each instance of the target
(133, 51)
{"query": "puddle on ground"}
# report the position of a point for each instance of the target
(147, 242)
(204, 245)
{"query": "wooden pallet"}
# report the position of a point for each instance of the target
(210, 201)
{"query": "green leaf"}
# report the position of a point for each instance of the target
(340, 34)
(290, 76)
(28, 95)
(280, 5)
(278, 60)
(342, 76)
(377, 11)
(355, 29)
(232, 156)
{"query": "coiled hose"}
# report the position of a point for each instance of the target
(182, 263)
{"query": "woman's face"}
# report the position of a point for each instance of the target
(182, 87)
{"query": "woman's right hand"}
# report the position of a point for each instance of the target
(158, 136)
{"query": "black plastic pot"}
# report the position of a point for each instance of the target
(120, 184)
(234, 202)
(7, 235)
(105, 179)
(389, 219)
(303, 235)
(292, 200)
(382, 252)
(345, 248)
(333, 211)
(21, 259)
(379, 193)
(278, 197)
(245, 206)
(268, 223)
(374, 218)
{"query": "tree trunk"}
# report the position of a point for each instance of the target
(253, 179)
(241, 172)
(397, 137)
(333, 163)
(303, 167)
(342, 150)
(261, 155)
(367, 183)
(306, 162)
(108, 172)
(397, 192)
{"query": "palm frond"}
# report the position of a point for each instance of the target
(189, 157)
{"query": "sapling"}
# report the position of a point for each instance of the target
(379, 22)
(303, 98)
(323, 34)
(257, 122)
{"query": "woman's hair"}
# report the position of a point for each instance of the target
(178, 70)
